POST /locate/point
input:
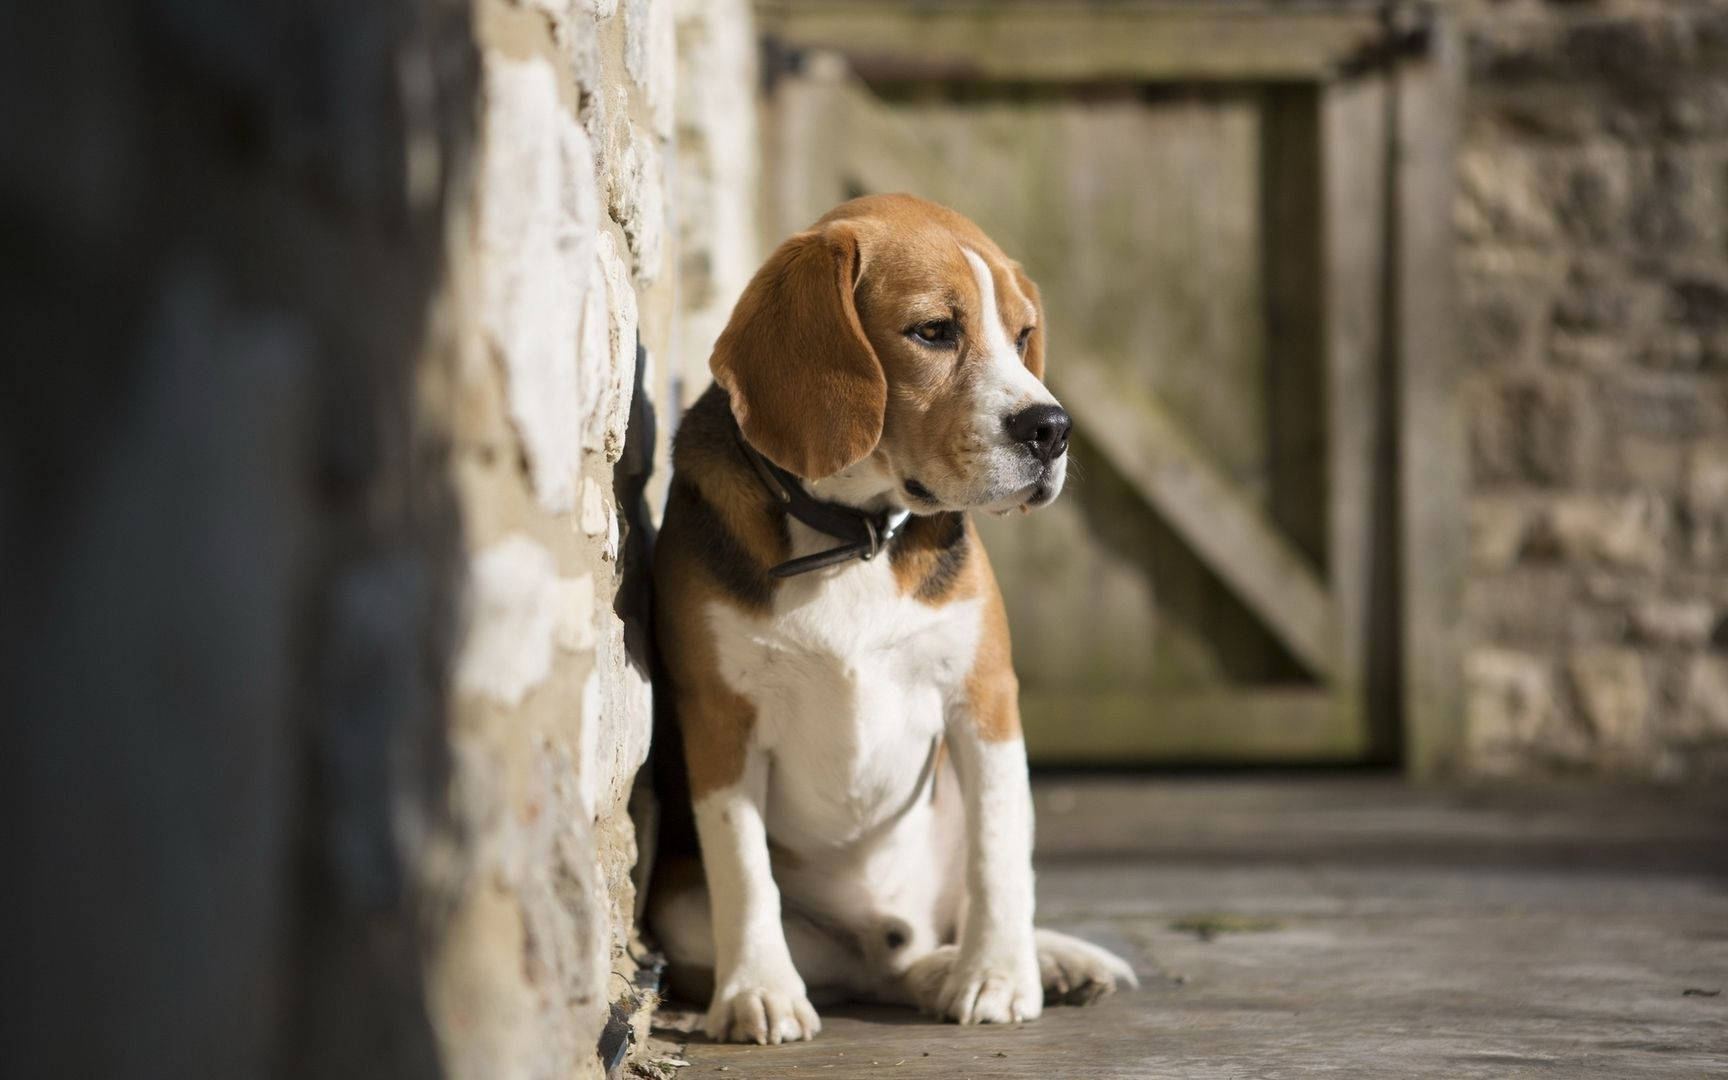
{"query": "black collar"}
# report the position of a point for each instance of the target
(864, 534)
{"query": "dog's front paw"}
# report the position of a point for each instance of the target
(762, 1011)
(992, 988)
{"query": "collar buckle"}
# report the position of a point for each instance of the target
(865, 534)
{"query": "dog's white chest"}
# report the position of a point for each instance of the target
(851, 683)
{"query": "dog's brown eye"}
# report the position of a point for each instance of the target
(942, 333)
(1025, 336)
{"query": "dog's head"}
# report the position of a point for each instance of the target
(894, 342)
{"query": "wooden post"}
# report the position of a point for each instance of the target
(1431, 451)
(1351, 294)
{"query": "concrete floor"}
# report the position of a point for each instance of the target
(1343, 927)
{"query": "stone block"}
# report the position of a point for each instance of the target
(1587, 352)
(1524, 431)
(1554, 112)
(1677, 202)
(1703, 709)
(1705, 502)
(1629, 531)
(1637, 55)
(1674, 350)
(1701, 303)
(1643, 462)
(1697, 109)
(634, 181)
(1613, 695)
(1602, 296)
(1713, 348)
(1498, 330)
(1505, 311)
(608, 354)
(1505, 194)
(1592, 190)
(538, 219)
(1510, 705)
(1499, 526)
(719, 248)
(648, 57)
(1709, 24)
(515, 612)
(1663, 405)
(1688, 622)
(1531, 605)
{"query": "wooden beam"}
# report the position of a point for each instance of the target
(1351, 292)
(1068, 41)
(1281, 724)
(1432, 461)
(1153, 452)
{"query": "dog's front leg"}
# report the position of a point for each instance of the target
(995, 977)
(758, 994)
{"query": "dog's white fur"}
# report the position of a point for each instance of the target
(907, 872)
(853, 683)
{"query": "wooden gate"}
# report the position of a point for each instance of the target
(1238, 213)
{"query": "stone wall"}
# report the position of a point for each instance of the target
(337, 335)
(1593, 256)
(599, 239)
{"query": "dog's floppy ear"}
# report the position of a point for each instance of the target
(805, 384)
(1035, 344)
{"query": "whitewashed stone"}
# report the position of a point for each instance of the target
(648, 56)
(635, 193)
(594, 507)
(568, 228)
(594, 353)
(538, 218)
(625, 713)
(515, 614)
(589, 766)
(599, 518)
(607, 417)
(577, 35)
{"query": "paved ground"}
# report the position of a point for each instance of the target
(1345, 928)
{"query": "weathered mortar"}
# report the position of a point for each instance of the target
(1592, 217)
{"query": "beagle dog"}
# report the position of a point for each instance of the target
(836, 648)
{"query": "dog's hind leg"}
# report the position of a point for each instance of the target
(1078, 972)
(1073, 972)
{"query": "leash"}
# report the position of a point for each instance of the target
(865, 534)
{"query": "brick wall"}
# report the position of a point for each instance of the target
(1592, 220)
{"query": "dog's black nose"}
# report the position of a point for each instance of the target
(1044, 428)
